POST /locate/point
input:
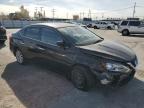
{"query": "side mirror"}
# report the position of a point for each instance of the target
(61, 44)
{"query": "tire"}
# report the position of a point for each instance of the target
(95, 27)
(2, 41)
(125, 32)
(109, 28)
(81, 78)
(20, 57)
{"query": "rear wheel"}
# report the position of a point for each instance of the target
(125, 32)
(95, 27)
(19, 57)
(2, 41)
(82, 78)
(109, 28)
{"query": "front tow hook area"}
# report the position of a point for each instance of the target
(105, 79)
(116, 80)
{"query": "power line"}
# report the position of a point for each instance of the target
(121, 9)
(140, 6)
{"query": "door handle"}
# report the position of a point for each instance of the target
(21, 42)
(40, 48)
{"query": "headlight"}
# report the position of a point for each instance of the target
(117, 67)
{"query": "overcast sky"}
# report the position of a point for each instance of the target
(70, 7)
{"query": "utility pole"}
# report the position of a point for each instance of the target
(35, 13)
(44, 14)
(36, 9)
(53, 13)
(80, 15)
(67, 15)
(83, 14)
(41, 9)
(89, 14)
(134, 10)
(102, 15)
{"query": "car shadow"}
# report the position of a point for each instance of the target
(37, 84)
(136, 35)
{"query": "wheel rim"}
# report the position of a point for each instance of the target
(125, 32)
(19, 56)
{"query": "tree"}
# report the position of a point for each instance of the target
(3, 16)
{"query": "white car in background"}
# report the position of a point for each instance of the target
(103, 24)
(128, 27)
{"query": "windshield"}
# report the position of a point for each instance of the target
(80, 35)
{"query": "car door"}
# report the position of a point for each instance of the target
(134, 27)
(49, 39)
(98, 24)
(141, 28)
(103, 24)
(30, 38)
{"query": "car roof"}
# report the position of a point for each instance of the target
(56, 25)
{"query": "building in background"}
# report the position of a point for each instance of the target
(75, 17)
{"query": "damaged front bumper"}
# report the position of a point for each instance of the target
(115, 78)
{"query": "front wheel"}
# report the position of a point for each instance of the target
(2, 41)
(125, 32)
(19, 57)
(82, 78)
(95, 27)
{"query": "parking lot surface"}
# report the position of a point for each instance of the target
(39, 85)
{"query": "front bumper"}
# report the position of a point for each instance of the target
(115, 78)
(121, 79)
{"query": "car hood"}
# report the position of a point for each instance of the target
(110, 50)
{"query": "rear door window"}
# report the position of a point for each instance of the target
(134, 23)
(104, 23)
(32, 32)
(124, 23)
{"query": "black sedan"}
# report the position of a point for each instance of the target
(3, 36)
(87, 55)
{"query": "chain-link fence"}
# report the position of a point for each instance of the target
(18, 23)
